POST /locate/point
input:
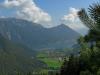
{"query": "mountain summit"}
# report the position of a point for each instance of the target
(35, 36)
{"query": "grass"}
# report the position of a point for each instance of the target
(52, 63)
(52, 60)
(41, 55)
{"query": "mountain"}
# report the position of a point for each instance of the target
(35, 36)
(15, 58)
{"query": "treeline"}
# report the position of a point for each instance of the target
(88, 60)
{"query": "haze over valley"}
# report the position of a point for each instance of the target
(49, 37)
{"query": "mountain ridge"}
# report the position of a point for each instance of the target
(35, 36)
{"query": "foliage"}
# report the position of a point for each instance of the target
(70, 67)
(90, 52)
(17, 59)
(89, 57)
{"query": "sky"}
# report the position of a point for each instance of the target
(49, 13)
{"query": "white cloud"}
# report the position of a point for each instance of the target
(72, 15)
(2, 16)
(72, 20)
(28, 10)
(10, 3)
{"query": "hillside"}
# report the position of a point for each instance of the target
(15, 58)
(35, 36)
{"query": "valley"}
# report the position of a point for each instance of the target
(53, 59)
(29, 47)
(49, 37)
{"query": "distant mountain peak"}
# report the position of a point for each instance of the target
(64, 26)
(35, 35)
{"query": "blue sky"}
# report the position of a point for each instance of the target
(58, 8)
(46, 12)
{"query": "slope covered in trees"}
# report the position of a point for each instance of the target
(88, 60)
(15, 58)
(35, 36)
